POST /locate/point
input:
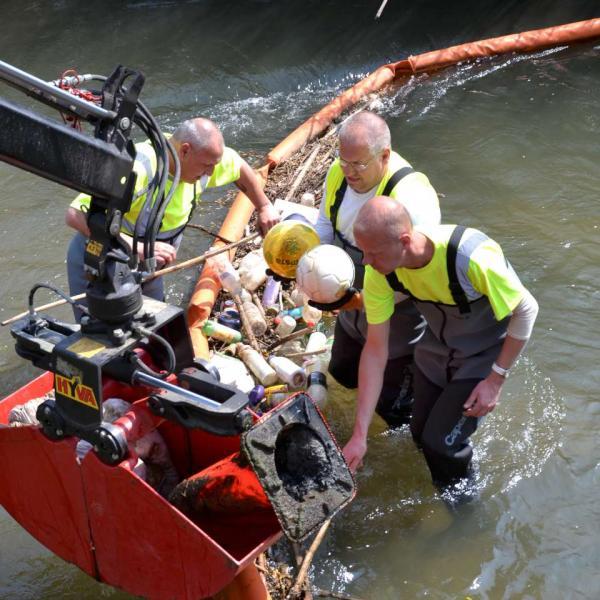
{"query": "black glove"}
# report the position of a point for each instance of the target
(277, 277)
(330, 306)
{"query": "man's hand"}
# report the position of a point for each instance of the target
(354, 452)
(267, 217)
(484, 397)
(164, 253)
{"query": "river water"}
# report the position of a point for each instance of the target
(511, 143)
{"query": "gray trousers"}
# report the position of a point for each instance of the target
(78, 282)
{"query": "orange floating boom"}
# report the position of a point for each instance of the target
(207, 287)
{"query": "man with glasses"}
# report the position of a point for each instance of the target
(367, 167)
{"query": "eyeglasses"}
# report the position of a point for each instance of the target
(356, 166)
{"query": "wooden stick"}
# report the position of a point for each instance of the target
(259, 305)
(246, 324)
(303, 354)
(42, 307)
(295, 590)
(319, 593)
(287, 338)
(302, 173)
(192, 262)
(206, 230)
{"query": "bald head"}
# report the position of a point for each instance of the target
(367, 128)
(200, 133)
(199, 145)
(382, 218)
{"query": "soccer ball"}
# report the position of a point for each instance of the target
(324, 273)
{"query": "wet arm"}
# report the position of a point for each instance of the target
(77, 220)
(373, 360)
(249, 184)
(486, 394)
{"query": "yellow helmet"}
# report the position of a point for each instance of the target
(285, 243)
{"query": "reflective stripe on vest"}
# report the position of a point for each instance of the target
(456, 289)
(172, 224)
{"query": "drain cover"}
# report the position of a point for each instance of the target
(299, 465)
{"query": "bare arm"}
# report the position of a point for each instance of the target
(165, 253)
(485, 395)
(77, 220)
(373, 360)
(249, 184)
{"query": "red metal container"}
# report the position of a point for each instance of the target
(111, 523)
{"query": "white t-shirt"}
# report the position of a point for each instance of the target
(422, 206)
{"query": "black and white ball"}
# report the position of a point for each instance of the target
(325, 273)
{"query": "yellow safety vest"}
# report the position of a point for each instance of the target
(336, 177)
(184, 199)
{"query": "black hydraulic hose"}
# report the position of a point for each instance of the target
(57, 291)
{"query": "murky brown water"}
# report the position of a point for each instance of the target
(511, 142)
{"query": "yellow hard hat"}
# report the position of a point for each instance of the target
(285, 243)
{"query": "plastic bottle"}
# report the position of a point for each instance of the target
(232, 371)
(252, 270)
(288, 371)
(230, 318)
(316, 368)
(228, 276)
(221, 332)
(297, 296)
(257, 364)
(307, 199)
(276, 389)
(285, 326)
(256, 395)
(296, 313)
(271, 292)
(311, 315)
(255, 318)
(316, 341)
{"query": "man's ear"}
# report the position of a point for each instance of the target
(184, 149)
(405, 239)
(385, 155)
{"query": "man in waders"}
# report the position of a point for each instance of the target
(205, 162)
(368, 167)
(479, 316)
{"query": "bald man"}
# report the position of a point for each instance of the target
(479, 317)
(205, 162)
(367, 167)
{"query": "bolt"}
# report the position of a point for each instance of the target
(59, 432)
(124, 123)
(114, 456)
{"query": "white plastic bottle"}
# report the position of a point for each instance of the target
(316, 341)
(311, 315)
(255, 318)
(233, 371)
(257, 364)
(288, 371)
(317, 382)
(228, 276)
(253, 270)
(285, 326)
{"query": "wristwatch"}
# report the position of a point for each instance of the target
(500, 370)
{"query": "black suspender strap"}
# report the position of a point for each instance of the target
(395, 284)
(395, 178)
(387, 190)
(458, 294)
(335, 207)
